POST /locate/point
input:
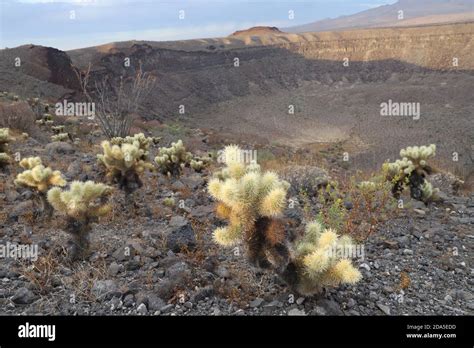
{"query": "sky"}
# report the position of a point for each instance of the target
(70, 24)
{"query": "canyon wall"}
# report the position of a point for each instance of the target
(198, 78)
(199, 73)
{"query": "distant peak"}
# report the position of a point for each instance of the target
(261, 30)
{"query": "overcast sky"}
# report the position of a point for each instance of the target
(51, 22)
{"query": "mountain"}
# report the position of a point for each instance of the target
(257, 31)
(37, 71)
(415, 12)
(201, 72)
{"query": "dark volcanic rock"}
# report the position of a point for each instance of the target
(23, 296)
(181, 235)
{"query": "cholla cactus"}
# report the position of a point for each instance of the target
(143, 141)
(60, 137)
(4, 159)
(46, 119)
(412, 171)
(172, 160)
(37, 176)
(169, 202)
(30, 162)
(427, 191)
(199, 163)
(321, 259)
(58, 129)
(82, 204)
(125, 163)
(419, 155)
(4, 139)
(40, 179)
(251, 201)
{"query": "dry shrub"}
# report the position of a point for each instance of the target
(468, 186)
(83, 278)
(80, 128)
(185, 192)
(405, 281)
(3, 216)
(370, 207)
(18, 116)
(43, 272)
(202, 250)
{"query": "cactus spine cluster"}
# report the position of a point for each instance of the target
(60, 137)
(4, 140)
(58, 129)
(251, 201)
(125, 160)
(411, 171)
(4, 159)
(37, 176)
(46, 119)
(40, 179)
(82, 205)
(197, 165)
(172, 160)
(143, 141)
(321, 259)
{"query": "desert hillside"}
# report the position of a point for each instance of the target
(400, 14)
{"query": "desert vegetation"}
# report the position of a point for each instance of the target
(82, 204)
(4, 140)
(172, 160)
(117, 101)
(125, 159)
(272, 171)
(412, 171)
(253, 201)
(40, 179)
(253, 211)
(282, 235)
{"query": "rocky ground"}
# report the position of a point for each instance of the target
(154, 259)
